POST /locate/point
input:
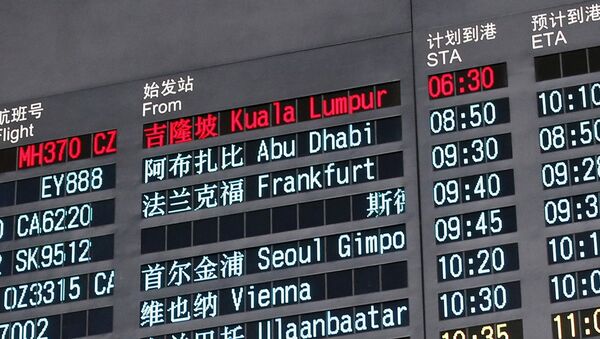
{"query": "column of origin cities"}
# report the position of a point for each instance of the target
(570, 132)
(255, 267)
(469, 152)
(44, 214)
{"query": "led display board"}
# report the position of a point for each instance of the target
(441, 182)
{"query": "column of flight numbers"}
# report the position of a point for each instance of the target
(452, 154)
(89, 238)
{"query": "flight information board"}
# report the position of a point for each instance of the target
(441, 182)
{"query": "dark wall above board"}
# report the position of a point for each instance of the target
(53, 47)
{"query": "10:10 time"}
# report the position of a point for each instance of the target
(571, 99)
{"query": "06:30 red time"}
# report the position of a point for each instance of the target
(465, 81)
